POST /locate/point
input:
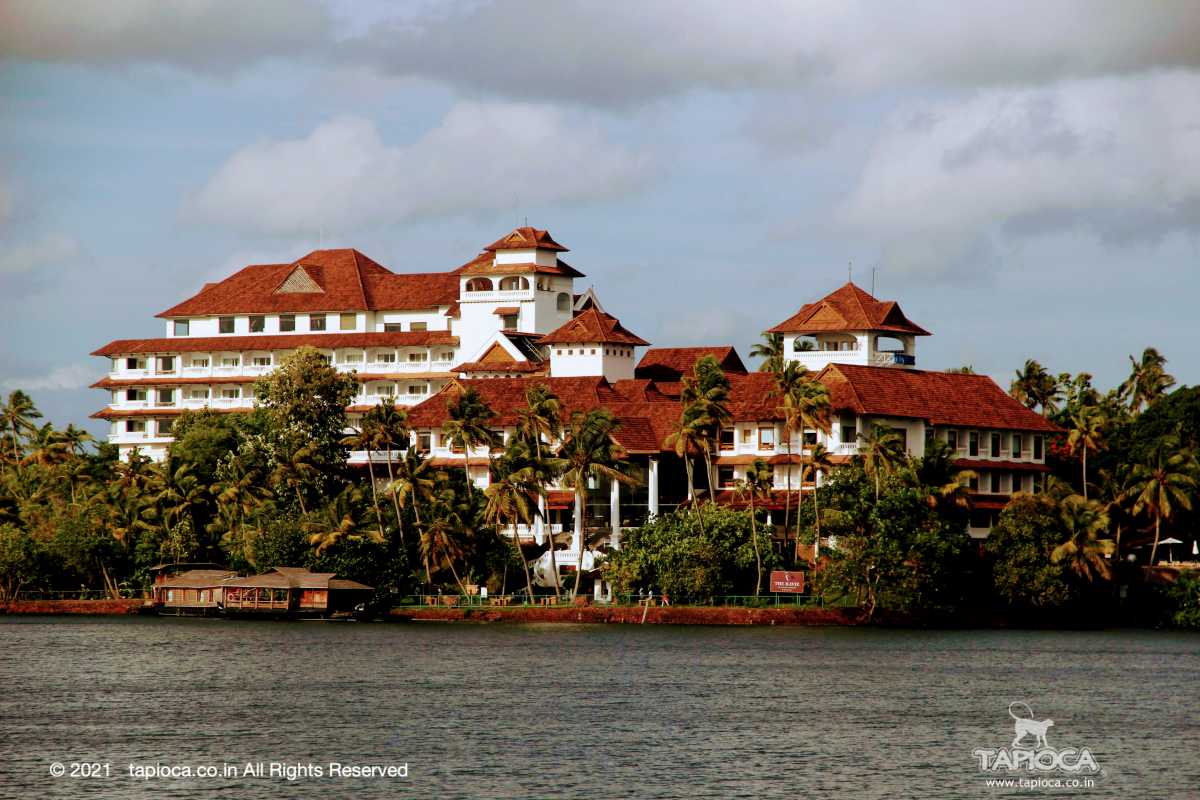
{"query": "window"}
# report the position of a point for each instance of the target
(258, 323)
(231, 361)
(995, 476)
(135, 426)
(352, 358)
(225, 325)
(199, 363)
(384, 389)
(262, 361)
(316, 322)
(725, 477)
(766, 438)
(166, 364)
(447, 356)
(513, 284)
(182, 326)
(952, 439)
(416, 358)
(974, 483)
(417, 388)
(348, 322)
(563, 303)
(287, 323)
(134, 363)
(424, 441)
(1037, 448)
(849, 431)
(166, 397)
(385, 358)
(165, 426)
(929, 436)
(726, 437)
(134, 395)
(198, 394)
(509, 321)
(973, 443)
(419, 326)
(810, 438)
(995, 445)
(231, 393)
(902, 435)
(393, 327)
(479, 285)
(1017, 445)
(1017, 482)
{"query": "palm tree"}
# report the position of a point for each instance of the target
(757, 483)
(1115, 489)
(1085, 554)
(1087, 433)
(366, 437)
(789, 383)
(413, 485)
(468, 427)
(1035, 387)
(46, 447)
(541, 420)
(881, 452)
(819, 461)
(1148, 379)
(589, 452)
(76, 439)
(339, 521)
(441, 539)
(393, 433)
(770, 350)
(705, 399)
(295, 471)
(512, 499)
(1160, 485)
(686, 438)
(18, 416)
(812, 411)
(241, 493)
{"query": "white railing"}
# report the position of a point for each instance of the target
(512, 294)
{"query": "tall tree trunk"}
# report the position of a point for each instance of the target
(787, 496)
(687, 464)
(1154, 549)
(300, 499)
(799, 503)
(581, 504)
(524, 563)
(1084, 475)
(375, 495)
(757, 555)
(816, 521)
(450, 564)
(395, 501)
(553, 562)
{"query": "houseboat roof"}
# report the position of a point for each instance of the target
(199, 579)
(294, 578)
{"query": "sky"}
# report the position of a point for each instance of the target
(1023, 177)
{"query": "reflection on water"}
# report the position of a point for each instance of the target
(584, 711)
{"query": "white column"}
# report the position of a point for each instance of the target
(577, 535)
(652, 486)
(614, 512)
(539, 523)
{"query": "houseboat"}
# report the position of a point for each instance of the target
(282, 592)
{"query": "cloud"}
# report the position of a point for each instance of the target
(203, 35)
(343, 176)
(61, 378)
(948, 185)
(581, 51)
(51, 249)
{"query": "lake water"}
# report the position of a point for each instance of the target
(583, 711)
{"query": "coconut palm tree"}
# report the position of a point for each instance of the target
(1161, 485)
(820, 462)
(540, 423)
(413, 485)
(76, 439)
(789, 385)
(1148, 379)
(686, 438)
(512, 499)
(705, 399)
(18, 415)
(589, 451)
(813, 408)
(441, 540)
(339, 521)
(757, 483)
(46, 447)
(770, 350)
(1084, 553)
(882, 452)
(1087, 433)
(392, 433)
(469, 427)
(1035, 387)
(366, 437)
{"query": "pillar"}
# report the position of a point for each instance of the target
(577, 534)
(652, 486)
(614, 512)
(539, 522)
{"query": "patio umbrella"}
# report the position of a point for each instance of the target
(1170, 542)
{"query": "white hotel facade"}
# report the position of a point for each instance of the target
(512, 316)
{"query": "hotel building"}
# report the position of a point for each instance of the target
(510, 317)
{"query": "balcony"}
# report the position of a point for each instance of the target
(498, 296)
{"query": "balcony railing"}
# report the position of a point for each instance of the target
(497, 295)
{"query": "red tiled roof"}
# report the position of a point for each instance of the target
(592, 326)
(322, 341)
(524, 238)
(487, 366)
(671, 363)
(645, 424)
(849, 309)
(117, 383)
(484, 265)
(941, 398)
(346, 279)
(506, 310)
(753, 397)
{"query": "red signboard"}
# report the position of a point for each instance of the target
(791, 582)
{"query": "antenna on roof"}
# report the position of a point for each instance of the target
(872, 281)
(850, 271)
(526, 221)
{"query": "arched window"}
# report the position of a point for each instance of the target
(803, 343)
(513, 284)
(564, 302)
(480, 285)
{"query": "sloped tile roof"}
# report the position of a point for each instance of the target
(849, 309)
(592, 326)
(671, 363)
(941, 398)
(323, 341)
(524, 238)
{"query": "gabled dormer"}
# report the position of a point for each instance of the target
(593, 344)
(850, 326)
